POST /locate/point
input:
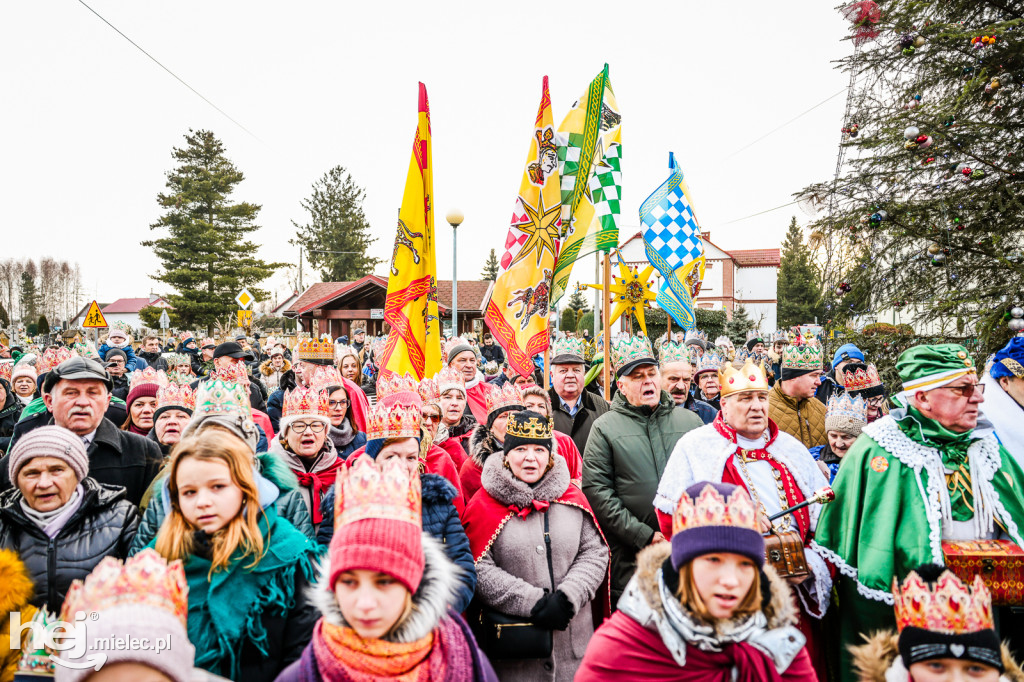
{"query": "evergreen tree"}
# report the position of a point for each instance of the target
(150, 317)
(206, 256)
(586, 321)
(797, 284)
(337, 223)
(567, 320)
(490, 267)
(578, 302)
(43, 325)
(29, 296)
(930, 192)
(737, 328)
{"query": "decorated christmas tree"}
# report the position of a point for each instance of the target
(925, 214)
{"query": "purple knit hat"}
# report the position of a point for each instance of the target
(715, 518)
(49, 441)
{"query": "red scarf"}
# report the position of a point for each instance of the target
(318, 481)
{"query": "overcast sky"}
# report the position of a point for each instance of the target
(89, 121)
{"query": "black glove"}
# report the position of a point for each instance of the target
(553, 611)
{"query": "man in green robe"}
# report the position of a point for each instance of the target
(930, 471)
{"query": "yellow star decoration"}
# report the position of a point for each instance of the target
(543, 231)
(631, 291)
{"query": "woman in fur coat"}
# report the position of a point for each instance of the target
(273, 369)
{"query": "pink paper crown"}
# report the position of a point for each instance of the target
(148, 376)
(176, 395)
(396, 420)
(711, 509)
(324, 376)
(449, 378)
(948, 608)
(5, 370)
(52, 357)
(506, 396)
(235, 373)
(311, 349)
(145, 579)
(390, 384)
(429, 391)
(860, 379)
(362, 491)
(305, 402)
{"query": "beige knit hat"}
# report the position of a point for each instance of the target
(49, 441)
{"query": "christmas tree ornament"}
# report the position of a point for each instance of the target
(843, 288)
(906, 40)
(939, 259)
(907, 51)
(1016, 324)
(934, 248)
(919, 41)
(851, 130)
(911, 132)
(924, 141)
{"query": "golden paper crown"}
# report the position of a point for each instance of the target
(305, 402)
(223, 398)
(145, 579)
(949, 607)
(711, 509)
(675, 352)
(313, 350)
(176, 395)
(521, 426)
(148, 376)
(324, 376)
(396, 420)
(508, 395)
(5, 370)
(363, 491)
(806, 356)
(750, 377)
(449, 378)
(429, 391)
(861, 380)
(390, 384)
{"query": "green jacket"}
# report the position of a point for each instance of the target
(622, 465)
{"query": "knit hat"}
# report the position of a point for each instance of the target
(145, 598)
(753, 341)
(455, 346)
(115, 352)
(390, 419)
(377, 522)
(847, 351)
(937, 616)
(1009, 360)
(712, 518)
(145, 383)
(23, 369)
(846, 414)
(527, 427)
(117, 335)
(49, 441)
(927, 367)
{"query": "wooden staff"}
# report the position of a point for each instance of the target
(547, 367)
(605, 314)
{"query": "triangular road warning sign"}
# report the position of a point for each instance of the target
(94, 318)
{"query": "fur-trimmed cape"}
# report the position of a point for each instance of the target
(878, 660)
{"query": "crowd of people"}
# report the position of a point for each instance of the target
(294, 511)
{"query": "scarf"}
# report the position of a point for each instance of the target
(132, 428)
(342, 435)
(53, 521)
(318, 482)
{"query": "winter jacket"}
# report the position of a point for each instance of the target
(824, 454)
(440, 520)
(130, 365)
(272, 377)
(492, 353)
(35, 414)
(644, 640)
(431, 610)
(878, 660)
(622, 465)
(104, 525)
(578, 427)
(275, 402)
(482, 444)
(803, 418)
(155, 360)
(344, 450)
(14, 600)
(277, 486)
(116, 458)
(512, 575)
(121, 386)
(706, 412)
(10, 412)
(327, 457)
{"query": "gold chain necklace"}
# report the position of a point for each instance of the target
(785, 521)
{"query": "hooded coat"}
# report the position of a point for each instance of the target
(878, 660)
(271, 376)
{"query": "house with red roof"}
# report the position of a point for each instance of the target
(127, 310)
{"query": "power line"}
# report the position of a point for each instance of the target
(768, 210)
(830, 97)
(176, 76)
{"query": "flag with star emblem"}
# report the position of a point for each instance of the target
(673, 245)
(517, 312)
(414, 343)
(590, 153)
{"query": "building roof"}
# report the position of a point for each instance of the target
(286, 304)
(757, 257)
(130, 305)
(320, 293)
(473, 294)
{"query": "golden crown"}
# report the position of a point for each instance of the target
(429, 392)
(176, 395)
(449, 378)
(948, 608)
(391, 383)
(324, 376)
(861, 380)
(363, 491)
(393, 421)
(508, 395)
(312, 349)
(305, 402)
(145, 579)
(806, 356)
(223, 398)
(148, 376)
(675, 352)
(709, 508)
(522, 426)
(750, 377)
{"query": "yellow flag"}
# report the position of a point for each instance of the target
(518, 310)
(414, 342)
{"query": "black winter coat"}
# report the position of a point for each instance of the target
(116, 458)
(104, 525)
(578, 426)
(9, 413)
(116, 412)
(155, 360)
(276, 400)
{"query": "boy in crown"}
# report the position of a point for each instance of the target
(792, 405)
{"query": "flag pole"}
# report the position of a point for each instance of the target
(605, 314)
(547, 366)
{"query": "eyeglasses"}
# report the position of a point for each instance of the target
(115, 362)
(337, 403)
(431, 418)
(315, 427)
(967, 390)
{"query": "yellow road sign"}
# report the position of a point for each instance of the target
(244, 299)
(244, 318)
(94, 318)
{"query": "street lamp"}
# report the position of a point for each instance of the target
(455, 218)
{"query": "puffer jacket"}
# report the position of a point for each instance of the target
(10, 412)
(272, 377)
(104, 525)
(130, 365)
(626, 455)
(804, 418)
(440, 520)
(277, 486)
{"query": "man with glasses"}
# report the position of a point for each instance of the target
(116, 366)
(927, 472)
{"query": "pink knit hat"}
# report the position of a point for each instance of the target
(377, 522)
(49, 441)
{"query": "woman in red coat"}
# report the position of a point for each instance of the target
(703, 607)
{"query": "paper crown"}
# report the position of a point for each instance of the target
(176, 395)
(589, 349)
(343, 351)
(363, 491)
(750, 377)
(448, 379)
(631, 349)
(218, 397)
(456, 341)
(145, 579)
(35, 655)
(305, 402)
(948, 607)
(780, 336)
(314, 351)
(123, 326)
(378, 347)
(521, 426)
(806, 356)
(175, 359)
(508, 395)
(844, 406)
(723, 341)
(861, 380)
(397, 420)
(694, 335)
(86, 349)
(5, 370)
(742, 354)
(148, 376)
(389, 384)
(52, 357)
(755, 334)
(234, 373)
(323, 377)
(675, 352)
(569, 346)
(429, 392)
(711, 509)
(711, 361)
